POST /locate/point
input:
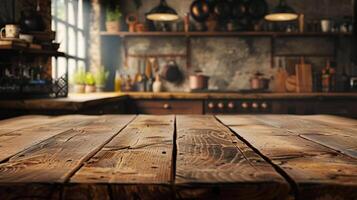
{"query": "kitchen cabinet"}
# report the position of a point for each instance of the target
(186, 103)
(164, 107)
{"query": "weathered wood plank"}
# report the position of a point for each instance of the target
(137, 163)
(317, 171)
(212, 163)
(343, 140)
(56, 159)
(333, 120)
(18, 140)
(17, 123)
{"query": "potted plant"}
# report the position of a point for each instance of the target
(100, 79)
(79, 80)
(90, 83)
(113, 16)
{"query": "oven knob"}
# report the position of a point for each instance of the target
(220, 105)
(231, 105)
(245, 105)
(166, 106)
(255, 105)
(264, 105)
(210, 105)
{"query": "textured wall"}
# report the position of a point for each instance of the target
(232, 61)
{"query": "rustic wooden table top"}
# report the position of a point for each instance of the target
(178, 157)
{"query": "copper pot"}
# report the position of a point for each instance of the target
(198, 82)
(258, 82)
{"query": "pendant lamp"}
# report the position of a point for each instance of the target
(283, 12)
(162, 12)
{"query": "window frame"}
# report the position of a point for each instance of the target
(55, 20)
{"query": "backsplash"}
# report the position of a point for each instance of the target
(232, 61)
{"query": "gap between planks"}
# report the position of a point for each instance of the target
(312, 165)
(279, 170)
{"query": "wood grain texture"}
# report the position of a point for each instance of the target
(34, 130)
(137, 163)
(341, 139)
(212, 164)
(56, 159)
(17, 123)
(319, 172)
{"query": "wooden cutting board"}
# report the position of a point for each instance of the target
(280, 78)
(303, 77)
(290, 84)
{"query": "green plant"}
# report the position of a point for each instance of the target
(101, 77)
(79, 77)
(90, 80)
(113, 13)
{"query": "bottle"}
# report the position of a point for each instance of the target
(144, 79)
(149, 76)
(137, 77)
(328, 78)
(118, 81)
(345, 81)
(128, 86)
(157, 85)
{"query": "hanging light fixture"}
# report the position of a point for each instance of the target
(282, 12)
(162, 12)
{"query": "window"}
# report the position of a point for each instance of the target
(68, 20)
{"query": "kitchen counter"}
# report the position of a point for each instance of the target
(178, 157)
(81, 101)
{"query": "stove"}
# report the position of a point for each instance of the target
(237, 106)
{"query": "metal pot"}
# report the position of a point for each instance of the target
(172, 72)
(32, 21)
(198, 82)
(258, 82)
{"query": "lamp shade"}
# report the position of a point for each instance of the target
(282, 12)
(162, 12)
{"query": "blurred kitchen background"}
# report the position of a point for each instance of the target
(234, 47)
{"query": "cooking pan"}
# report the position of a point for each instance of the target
(257, 9)
(200, 10)
(172, 72)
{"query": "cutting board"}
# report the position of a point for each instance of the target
(290, 84)
(303, 77)
(280, 78)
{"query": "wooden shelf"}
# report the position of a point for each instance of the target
(26, 50)
(222, 34)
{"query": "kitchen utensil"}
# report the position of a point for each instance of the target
(326, 25)
(239, 9)
(148, 69)
(154, 64)
(223, 10)
(10, 31)
(303, 77)
(280, 78)
(353, 83)
(198, 81)
(301, 23)
(157, 85)
(26, 37)
(187, 22)
(32, 20)
(258, 82)
(257, 9)
(131, 20)
(200, 10)
(290, 84)
(172, 72)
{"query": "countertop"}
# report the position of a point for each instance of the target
(178, 157)
(79, 101)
